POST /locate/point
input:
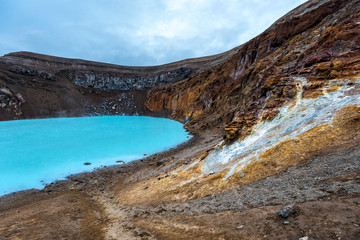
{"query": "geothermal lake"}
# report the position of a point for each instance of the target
(34, 153)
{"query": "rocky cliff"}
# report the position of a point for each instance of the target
(35, 85)
(318, 41)
(288, 95)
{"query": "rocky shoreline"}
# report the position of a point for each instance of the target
(322, 187)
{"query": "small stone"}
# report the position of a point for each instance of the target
(87, 163)
(20, 97)
(240, 227)
(286, 223)
(287, 211)
(5, 91)
(304, 238)
(242, 175)
(159, 163)
(356, 225)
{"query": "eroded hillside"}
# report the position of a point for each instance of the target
(34, 85)
(288, 95)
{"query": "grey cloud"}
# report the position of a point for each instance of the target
(134, 32)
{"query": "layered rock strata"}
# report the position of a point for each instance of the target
(288, 95)
(52, 86)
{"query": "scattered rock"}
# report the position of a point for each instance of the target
(231, 133)
(240, 227)
(5, 91)
(204, 156)
(287, 211)
(116, 80)
(304, 238)
(159, 163)
(20, 97)
(31, 72)
(187, 161)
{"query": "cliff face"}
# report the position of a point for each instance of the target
(285, 97)
(318, 41)
(34, 85)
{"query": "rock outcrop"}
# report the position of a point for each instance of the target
(318, 41)
(11, 102)
(288, 95)
(53, 86)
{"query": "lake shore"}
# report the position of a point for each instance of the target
(86, 205)
(63, 146)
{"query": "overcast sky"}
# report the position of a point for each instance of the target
(134, 32)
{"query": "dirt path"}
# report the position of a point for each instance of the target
(324, 192)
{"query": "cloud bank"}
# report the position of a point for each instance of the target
(137, 32)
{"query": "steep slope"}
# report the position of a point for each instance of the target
(34, 85)
(318, 41)
(288, 95)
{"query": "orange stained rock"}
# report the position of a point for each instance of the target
(182, 185)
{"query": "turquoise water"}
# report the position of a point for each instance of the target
(34, 153)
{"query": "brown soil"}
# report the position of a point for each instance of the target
(312, 219)
(69, 215)
(325, 192)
